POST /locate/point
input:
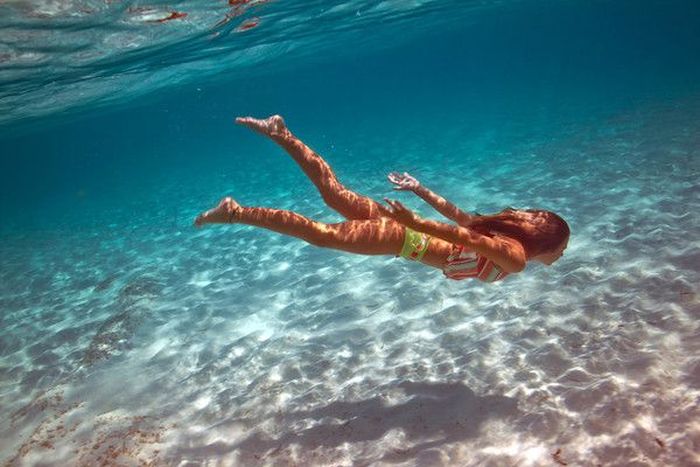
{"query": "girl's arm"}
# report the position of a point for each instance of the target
(508, 254)
(406, 182)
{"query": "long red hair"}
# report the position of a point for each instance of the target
(537, 231)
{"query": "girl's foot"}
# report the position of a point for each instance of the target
(271, 126)
(226, 212)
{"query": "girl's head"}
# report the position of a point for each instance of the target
(543, 234)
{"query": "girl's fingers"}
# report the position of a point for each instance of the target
(396, 207)
(392, 204)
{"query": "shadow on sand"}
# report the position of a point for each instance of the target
(434, 414)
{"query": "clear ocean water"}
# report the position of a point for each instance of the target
(128, 337)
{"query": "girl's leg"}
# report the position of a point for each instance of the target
(379, 236)
(348, 203)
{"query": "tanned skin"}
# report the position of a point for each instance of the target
(370, 228)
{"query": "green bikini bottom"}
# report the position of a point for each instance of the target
(415, 244)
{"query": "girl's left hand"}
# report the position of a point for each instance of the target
(401, 213)
(403, 181)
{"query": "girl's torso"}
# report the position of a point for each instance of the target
(458, 262)
(438, 251)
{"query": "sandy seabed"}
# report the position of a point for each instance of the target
(225, 346)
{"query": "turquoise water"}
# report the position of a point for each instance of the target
(128, 336)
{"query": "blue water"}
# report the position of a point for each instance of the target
(130, 336)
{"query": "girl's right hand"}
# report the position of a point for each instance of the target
(403, 182)
(401, 213)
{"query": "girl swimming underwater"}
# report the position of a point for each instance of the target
(483, 247)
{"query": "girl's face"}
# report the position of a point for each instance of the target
(552, 256)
